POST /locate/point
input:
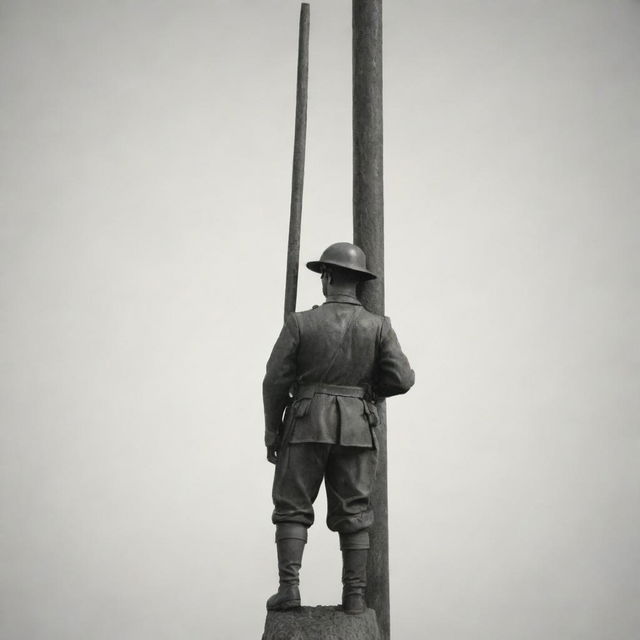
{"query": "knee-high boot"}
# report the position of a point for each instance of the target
(355, 549)
(290, 540)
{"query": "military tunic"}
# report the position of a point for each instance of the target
(326, 370)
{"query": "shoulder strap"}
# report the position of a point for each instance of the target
(346, 333)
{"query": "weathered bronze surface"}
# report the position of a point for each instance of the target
(328, 372)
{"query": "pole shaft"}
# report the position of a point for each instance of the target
(368, 233)
(297, 179)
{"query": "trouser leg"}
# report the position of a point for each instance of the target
(297, 479)
(350, 476)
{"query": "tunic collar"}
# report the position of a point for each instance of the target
(343, 298)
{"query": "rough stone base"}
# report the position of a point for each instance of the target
(320, 623)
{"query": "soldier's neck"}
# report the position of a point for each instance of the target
(342, 289)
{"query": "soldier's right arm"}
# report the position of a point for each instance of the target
(394, 373)
(280, 376)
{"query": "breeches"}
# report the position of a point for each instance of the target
(348, 473)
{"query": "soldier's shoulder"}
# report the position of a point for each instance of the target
(299, 317)
(365, 313)
(371, 319)
(377, 316)
(314, 309)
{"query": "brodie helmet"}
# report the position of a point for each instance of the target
(346, 256)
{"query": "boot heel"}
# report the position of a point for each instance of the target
(288, 597)
(353, 604)
(284, 606)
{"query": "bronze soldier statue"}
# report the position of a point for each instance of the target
(326, 370)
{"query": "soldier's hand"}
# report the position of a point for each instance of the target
(272, 453)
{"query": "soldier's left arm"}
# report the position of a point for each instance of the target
(280, 375)
(394, 373)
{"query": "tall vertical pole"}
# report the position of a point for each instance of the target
(368, 233)
(297, 178)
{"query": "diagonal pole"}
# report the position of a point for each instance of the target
(297, 178)
(368, 233)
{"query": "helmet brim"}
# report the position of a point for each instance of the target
(317, 265)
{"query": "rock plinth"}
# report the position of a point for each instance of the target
(320, 623)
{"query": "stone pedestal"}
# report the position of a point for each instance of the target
(320, 623)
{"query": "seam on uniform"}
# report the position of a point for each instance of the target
(294, 315)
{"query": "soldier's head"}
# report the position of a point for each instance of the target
(342, 265)
(338, 280)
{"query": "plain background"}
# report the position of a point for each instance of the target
(145, 174)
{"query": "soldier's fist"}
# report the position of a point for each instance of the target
(272, 453)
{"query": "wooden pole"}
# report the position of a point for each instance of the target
(297, 179)
(368, 234)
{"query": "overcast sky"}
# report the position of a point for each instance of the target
(145, 166)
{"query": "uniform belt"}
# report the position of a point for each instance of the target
(309, 390)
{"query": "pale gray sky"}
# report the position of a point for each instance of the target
(144, 194)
